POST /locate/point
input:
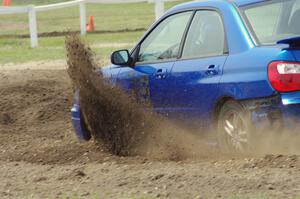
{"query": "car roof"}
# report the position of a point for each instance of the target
(246, 2)
(199, 3)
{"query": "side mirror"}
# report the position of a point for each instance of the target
(121, 57)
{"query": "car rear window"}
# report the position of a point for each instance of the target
(273, 20)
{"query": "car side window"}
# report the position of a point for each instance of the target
(164, 41)
(206, 36)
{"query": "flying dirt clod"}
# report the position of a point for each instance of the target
(112, 116)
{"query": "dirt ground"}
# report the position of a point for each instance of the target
(41, 158)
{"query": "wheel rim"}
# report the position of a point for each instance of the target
(235, 129)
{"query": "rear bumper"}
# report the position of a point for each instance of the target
(281, 112)
(291, 117)
(290, 108)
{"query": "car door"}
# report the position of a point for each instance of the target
(195, 77)
(156, 55)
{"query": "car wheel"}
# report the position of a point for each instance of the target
(86, 134)
(234, 128)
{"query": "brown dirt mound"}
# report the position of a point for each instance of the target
(275, 161)
(30, 93)
(35, 120)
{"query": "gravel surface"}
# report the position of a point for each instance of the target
(41, 158)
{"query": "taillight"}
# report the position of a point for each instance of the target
(284, 76)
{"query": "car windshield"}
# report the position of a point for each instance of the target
(274, 20)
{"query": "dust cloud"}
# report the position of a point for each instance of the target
(272, 141)
(116, 120)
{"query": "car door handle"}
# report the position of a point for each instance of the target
(212, 69)
(160, 74)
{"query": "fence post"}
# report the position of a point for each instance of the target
(32, 26)
(159, 8)
(82, 9)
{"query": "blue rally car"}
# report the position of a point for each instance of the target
(232, 66)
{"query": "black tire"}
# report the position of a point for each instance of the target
(234, 128)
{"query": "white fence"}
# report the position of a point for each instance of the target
(32, 10)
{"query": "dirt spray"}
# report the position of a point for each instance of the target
(116, 120)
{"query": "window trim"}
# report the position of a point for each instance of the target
(225, 49)
(193, 11)
(184, 36)
(152, 29)
(204, 57)
(248, 25)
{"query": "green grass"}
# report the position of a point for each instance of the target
(107, 17)
(18, 50)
